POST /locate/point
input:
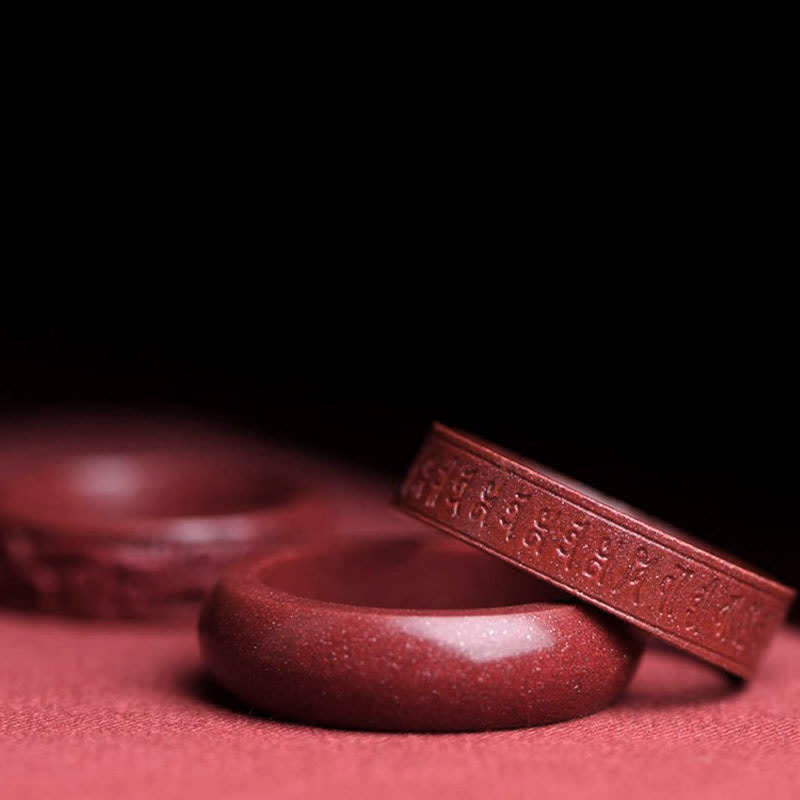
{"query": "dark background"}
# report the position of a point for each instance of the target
(696, 427)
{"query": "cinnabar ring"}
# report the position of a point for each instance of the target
(677, 588)
(409, 635)
(143, 534)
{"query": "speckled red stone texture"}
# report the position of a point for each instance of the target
(409, 635)
(642, 571)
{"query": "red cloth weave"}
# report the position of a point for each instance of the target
(118, 711)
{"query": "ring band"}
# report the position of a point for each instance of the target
(409, 635)
(143, 534)
(677, 588)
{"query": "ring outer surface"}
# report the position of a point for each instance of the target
(677, 588)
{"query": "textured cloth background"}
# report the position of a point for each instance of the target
(120, 711)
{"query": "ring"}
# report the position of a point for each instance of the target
(638, 569)
(409, 635)
(142, 534)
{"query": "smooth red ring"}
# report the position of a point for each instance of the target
(316, 635)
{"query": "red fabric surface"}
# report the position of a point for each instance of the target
(120, 711)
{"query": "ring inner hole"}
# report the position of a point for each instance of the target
(409, 575)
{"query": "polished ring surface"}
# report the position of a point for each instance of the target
(409, 635)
